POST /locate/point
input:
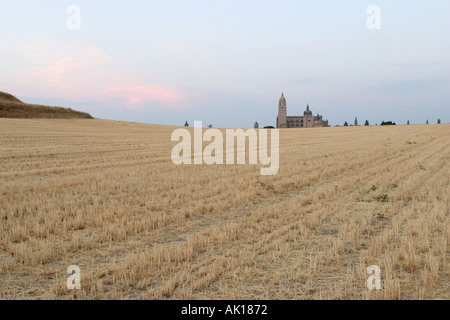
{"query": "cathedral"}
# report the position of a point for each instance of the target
(305, 121)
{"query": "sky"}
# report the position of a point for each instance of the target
(226, 63)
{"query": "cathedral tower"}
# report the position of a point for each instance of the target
(308, 118)
(282, 111)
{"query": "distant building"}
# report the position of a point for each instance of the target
(305, 121)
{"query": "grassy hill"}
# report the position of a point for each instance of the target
(11, 107)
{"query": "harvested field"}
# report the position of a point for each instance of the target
(105, 195)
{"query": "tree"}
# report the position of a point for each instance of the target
(345, 124)
(388, 123)
(407, 123)
(439, 121)
(427, 121)
(367, 123)
(269, 127)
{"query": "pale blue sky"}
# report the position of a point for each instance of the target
(227, 62)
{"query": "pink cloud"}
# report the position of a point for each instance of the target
(138, 97)
(85, 73)
(82, 74)
(56, 73)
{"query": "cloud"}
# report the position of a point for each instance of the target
(413, 86)
(137, 98)
(83, 72)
